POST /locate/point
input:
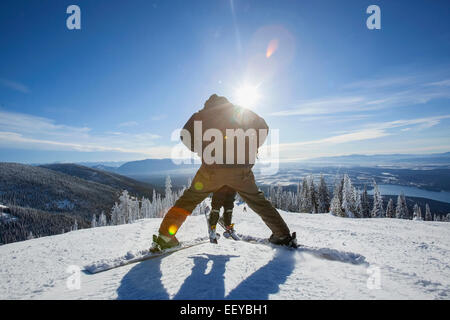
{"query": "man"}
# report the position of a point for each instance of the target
(227, 164)
(224, 197)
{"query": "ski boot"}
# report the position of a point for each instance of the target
(213, 236)
(161, 243)
(230, 233)
(288, 241)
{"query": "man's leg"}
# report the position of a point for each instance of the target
(178, 213)
(216, 204)
(200, 188)
(247, 189)
(228, 207)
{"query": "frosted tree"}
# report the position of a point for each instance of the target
(125, 207)
(94, 221)
(323, 196)
(377, 210)
(401, 210)
(305, 199)
(417, 212)
(348, 197)
(146, 208)
(336, 208)
(365, 207)
(428, 216)
(75, 225)
(390, 211)
(168, 193)
(102, 220)
(31, 236)
(312, 192)
(116, 215)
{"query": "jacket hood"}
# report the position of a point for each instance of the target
(215, 101)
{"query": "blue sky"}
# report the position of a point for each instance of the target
(117, 89)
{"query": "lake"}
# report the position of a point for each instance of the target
(390, 189)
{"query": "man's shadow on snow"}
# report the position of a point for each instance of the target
(144, 280)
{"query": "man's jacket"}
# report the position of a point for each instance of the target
(220, 114)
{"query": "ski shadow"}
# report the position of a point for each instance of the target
(144, 280)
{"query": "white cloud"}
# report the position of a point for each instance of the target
(14, 85)
(372, 95)
(18, 130)
(128, 124)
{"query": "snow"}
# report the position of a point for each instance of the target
(411, 259)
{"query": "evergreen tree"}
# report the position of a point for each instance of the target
(365, 207)
(377, 211)
(116, 214)
(305, 199)
(401, 211)
(335, 207)
(94, 221)
(312, 195)
(417, 212)
(390, 212)
(323, 197)
(102, 220)
(428, 216)
(348, 197)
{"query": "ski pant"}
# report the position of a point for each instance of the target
(224, 197)
(209, 180)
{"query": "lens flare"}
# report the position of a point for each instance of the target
(271, 48)
(198, 186)
(173, 229)
(247, 96)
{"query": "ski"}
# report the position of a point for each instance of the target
(222, 224)
(131, 258)
(322, 253)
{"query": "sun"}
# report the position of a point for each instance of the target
(247, 96)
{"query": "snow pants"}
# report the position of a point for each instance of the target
(209, 180)
(224, 197)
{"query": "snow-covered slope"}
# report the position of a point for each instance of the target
(411, 259)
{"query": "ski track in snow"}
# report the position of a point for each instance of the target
(412, 257)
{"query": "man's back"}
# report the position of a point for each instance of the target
(240, 129)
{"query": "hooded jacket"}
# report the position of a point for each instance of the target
(219, 113)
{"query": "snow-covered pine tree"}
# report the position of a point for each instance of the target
(125, 209)
(390, 212)
(168, 197)
(323, 196)
(336, 208)
(305, 199)
(312, 194)
(415, 211)
(94, 221)
(115, 215)
(31, 236)
(428, 216)
(365, 207)
(401, 210)
(102, 220)
(377, 210)
(75, 225)
(358, 209)
(348, 197)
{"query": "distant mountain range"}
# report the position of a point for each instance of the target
(148, 167)
(385, 159)
(167, 166)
